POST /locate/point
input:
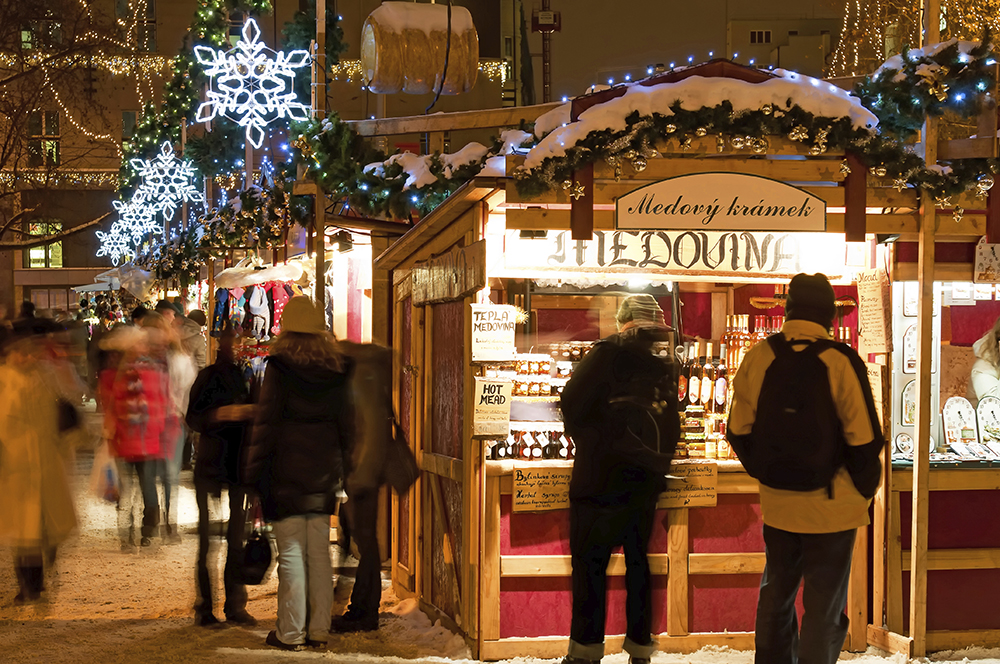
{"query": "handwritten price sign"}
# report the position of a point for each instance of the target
(690, 485)
(541, 489)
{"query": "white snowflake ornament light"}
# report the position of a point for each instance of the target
(166, 182)
(135, 219)
(114, 244)
(249, 86)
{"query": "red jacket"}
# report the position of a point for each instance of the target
(136, 403)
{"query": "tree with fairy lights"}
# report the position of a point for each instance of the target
(50, 53)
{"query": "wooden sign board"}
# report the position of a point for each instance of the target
(493, 329)
(691, 485)
(873, 310)
(491, 408)
(538, 488)
(450, 276)
(877, 378)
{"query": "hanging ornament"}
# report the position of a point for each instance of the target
(612, 160)
(618, 172)
(700, 131)
(566, 184)
(767, 109)
(758, 145)
(686, 143)
(303, 145)
(877, 171)
(958, 213)
(798, 133)
(815, 150)
(940, 90)
(629, 154)
(639, 163)
(984, 183)
(670, 128)
(943, 202)
(578, 191)
(738, 142)
(845, 168)
(899, 184)
(720, 143)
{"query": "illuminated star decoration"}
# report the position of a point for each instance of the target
(250, 87)
(166, 182)
(114, 244)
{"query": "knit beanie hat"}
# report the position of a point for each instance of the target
(641, 309)
(303, 316)
(198, 316)
(810, 297)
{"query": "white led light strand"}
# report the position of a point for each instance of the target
(250, 87)
(114, 244)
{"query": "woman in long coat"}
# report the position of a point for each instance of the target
(38, 510)
(298, 457)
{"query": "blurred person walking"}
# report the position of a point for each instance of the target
(298, 458)
(192, 332)
(181, 374)
(37, 512)
(133, 389)
(371, 392)
(219, 411)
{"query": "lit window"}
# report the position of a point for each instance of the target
(43, 138)
(49, 255)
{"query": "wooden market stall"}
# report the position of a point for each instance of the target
(460, 544)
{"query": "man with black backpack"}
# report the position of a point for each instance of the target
(620, 408)
(803, 422)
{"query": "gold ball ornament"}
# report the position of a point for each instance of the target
(984, 182)
(670, 128)
(877, 171)
(738, 142)
(720, 144)
(700, 131)
(639, 163)
(758, 145)
(798, 133)
(566, 184)
(767, 109)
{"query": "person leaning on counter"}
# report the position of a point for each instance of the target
(985, 378)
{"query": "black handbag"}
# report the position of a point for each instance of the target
(401, 469)
(257, 555)
(69, 416)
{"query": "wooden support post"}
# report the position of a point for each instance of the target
(319, 210)
(880, 535)
(582, 206)
(993, 215)
(677, 572)
(857, 594)
(855, 200)
(894, 569)
(921, 452)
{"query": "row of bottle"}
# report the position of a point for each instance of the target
(739, 339)
(704, 380)
(533, 446)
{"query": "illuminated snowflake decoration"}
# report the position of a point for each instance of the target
(136, 219)
(115, 244)
(166, 182)
(249, 86)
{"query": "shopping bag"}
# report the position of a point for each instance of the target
(401, 469)
(104, 476)
(257, 555)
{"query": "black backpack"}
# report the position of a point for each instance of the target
(797, 440)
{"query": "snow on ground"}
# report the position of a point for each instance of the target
(106, 606)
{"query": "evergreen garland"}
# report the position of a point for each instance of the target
(928, 85)
(217, 152)
(299, 32)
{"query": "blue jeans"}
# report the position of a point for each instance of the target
(137, 486)
(168, 471)
(823, 562)
(305, 578)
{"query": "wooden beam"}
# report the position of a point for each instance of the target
(947, 559)
(582, 207)
(957, 639)
(561, 565)
(419, 124)
(889, 641)
(855, 200)
(443, 466)
(678, 547)
(554, 647)
(726, 563)
(806, 170)
(985, 479)
(857, 594)
(489, 615)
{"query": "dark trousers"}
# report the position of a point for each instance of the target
(29, 569)
(236, 592)
(361, 515)
(594, 532)
(823, 562)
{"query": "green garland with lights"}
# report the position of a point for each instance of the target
(299, 32)
(179, 258)
(928, 85)
(217, 152)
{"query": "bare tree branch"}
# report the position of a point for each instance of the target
(41, 240)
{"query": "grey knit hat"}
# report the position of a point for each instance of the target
(641, 309)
